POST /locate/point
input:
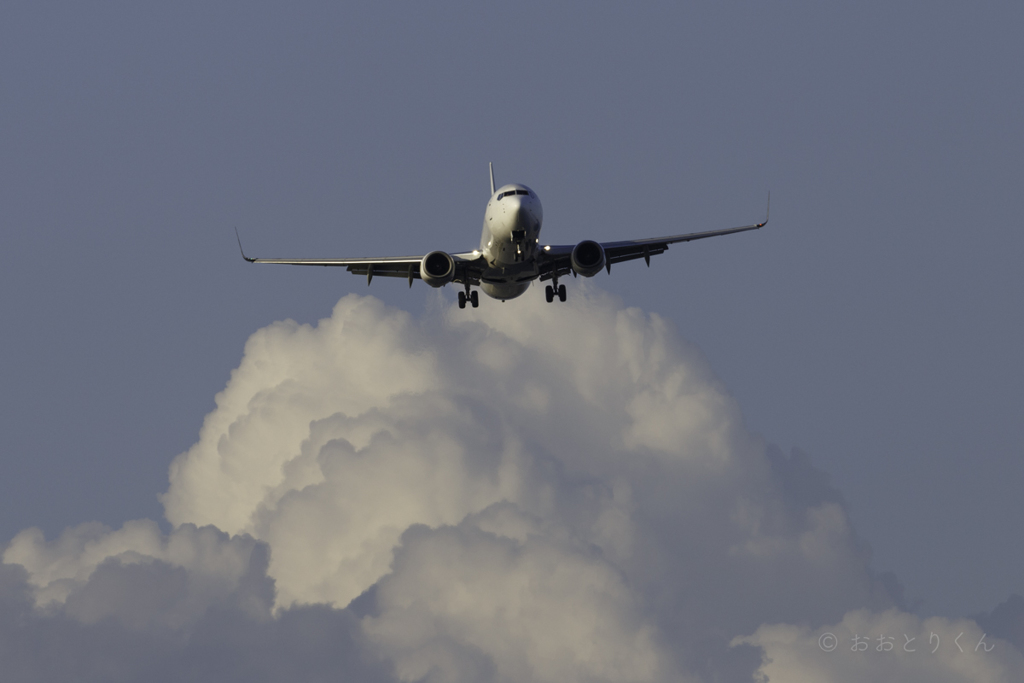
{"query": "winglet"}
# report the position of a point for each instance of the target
(491, 166)
(766, 212)
(250, 260)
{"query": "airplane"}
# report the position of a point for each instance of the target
(510, 256)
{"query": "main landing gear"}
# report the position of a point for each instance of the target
(551, 291)
(469, 296)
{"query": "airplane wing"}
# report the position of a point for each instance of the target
(467, 266)
(557, 258)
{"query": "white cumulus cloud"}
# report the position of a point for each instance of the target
(518, 492)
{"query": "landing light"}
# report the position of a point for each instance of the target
(547, 247)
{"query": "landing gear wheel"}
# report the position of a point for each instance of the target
(561, 292)
(549, 293)
(474, 299)
(462, 299)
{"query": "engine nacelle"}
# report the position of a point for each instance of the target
(587, 258)
(437, 268)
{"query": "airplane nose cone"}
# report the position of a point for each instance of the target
(511, 207)
(515, 217)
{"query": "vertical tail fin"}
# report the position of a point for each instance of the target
(491, 166)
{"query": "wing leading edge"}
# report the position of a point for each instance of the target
(557, 259)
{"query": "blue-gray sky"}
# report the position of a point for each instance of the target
(875, 324)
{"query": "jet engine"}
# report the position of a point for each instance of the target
(587, 258)
(437, 268)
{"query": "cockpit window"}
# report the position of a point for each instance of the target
(511, 193)
(522, 192)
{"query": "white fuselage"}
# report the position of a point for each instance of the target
(510, 241)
